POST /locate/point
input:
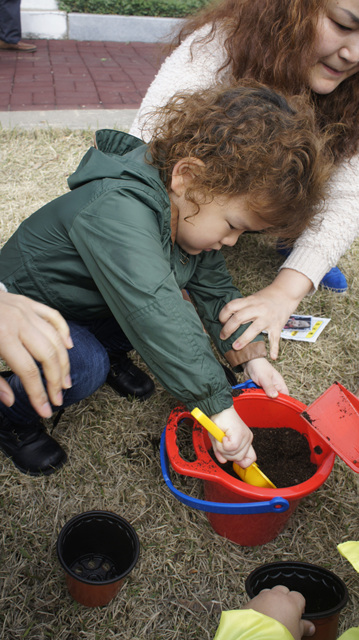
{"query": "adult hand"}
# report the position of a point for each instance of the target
(286, 607)
(266, 376)
(32, 331)
(267, 310)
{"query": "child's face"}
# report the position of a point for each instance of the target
(337, 46)
(297, 324)
(217, 223)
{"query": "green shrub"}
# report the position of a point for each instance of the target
(164, 8)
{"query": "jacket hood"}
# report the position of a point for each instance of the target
(106, 159)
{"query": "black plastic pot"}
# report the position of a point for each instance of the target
(97, 549)
(325, 593)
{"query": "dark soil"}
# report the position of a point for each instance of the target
(282, 454)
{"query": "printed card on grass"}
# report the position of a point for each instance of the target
(304, 328)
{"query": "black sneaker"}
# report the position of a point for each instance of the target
(30, 448)
(128, 380)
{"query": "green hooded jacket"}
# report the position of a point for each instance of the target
(105, 249)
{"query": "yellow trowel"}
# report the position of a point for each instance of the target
(252, 475)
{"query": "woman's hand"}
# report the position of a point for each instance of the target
(267, 310)
(287, 607)
(237, 443)
(29, 332)
(266, 376)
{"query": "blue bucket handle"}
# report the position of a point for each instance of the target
(248, 384)
(276, 505)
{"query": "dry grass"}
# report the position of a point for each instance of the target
(186, 573)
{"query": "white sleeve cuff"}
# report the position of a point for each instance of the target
(306, 261)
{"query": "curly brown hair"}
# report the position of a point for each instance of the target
(272, 41)
(252, 141)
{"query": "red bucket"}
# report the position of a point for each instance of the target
(252, 528)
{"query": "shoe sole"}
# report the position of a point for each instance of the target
(341, 291)
(19, 49)
(36, 474)
(128, 396)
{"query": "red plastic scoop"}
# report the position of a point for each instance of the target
(335, 417)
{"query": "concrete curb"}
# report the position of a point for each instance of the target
(84, 26)
(51, 25)
(46, 21)
(73, 119)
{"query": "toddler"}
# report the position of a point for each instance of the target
(140, 223)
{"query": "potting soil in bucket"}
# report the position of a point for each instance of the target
(257, 410)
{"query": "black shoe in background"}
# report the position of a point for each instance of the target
(30, 448)
(128, 380)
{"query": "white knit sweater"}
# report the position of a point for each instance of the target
(315, 252)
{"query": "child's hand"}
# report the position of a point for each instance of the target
(237, 443)
(285, 606)
(266, 376)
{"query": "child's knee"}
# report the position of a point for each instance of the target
(89, 363)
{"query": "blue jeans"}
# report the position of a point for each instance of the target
(93, 342)
(10, 21)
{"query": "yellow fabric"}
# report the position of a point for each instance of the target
(350, 551)
(351, 634)
(246, 624)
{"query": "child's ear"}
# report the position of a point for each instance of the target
(183, 173)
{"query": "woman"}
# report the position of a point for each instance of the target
(297, 46)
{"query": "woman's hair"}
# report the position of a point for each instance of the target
(272, 41)
(252, 141)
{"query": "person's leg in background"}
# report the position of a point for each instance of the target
(10, 27)
(22, 434)
(99, 353)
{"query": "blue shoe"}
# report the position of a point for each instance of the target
(334, 280)
(283, 249)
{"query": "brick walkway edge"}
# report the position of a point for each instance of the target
(69, 74)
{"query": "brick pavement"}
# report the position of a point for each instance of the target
(69, 74)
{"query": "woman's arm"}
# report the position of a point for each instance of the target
(314, 253)
(319, 249)
(179, 72)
